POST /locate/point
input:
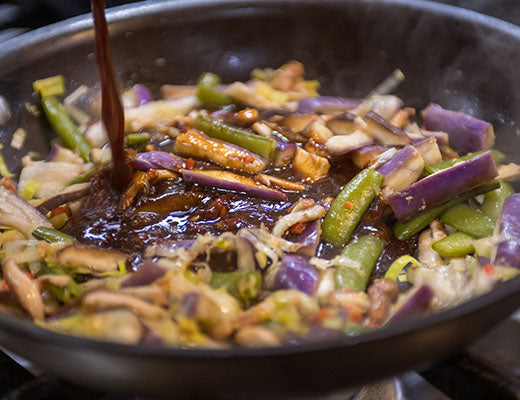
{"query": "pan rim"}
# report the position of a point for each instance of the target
(83, 23)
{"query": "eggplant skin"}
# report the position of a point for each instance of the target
(442, 186)
(467, 134)
(508, 250)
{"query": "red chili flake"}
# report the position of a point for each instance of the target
(8, 184)
(59, 210)
(5, 288)
(489, 269)
(298, 228)
(190, 163)
(349, 205)
(249, 158)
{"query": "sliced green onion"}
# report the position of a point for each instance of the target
(29, 190)
(134, 139)
(52, 86)
(3, 166)
(398, 265)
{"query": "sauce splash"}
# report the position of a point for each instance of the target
(111, 109)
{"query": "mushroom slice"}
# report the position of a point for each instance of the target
(103, 300)
(95, 259)
(298, 122)
(343, 124)
(25, 291)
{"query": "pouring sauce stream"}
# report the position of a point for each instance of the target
(111, 109)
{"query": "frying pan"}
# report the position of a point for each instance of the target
(454, 57)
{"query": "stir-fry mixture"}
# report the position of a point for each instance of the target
(258, 213)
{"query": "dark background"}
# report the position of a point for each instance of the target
(30, 14)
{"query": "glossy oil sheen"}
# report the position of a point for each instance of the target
(456, 58)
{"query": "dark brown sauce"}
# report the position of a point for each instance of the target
(111, 109)
(176, 210)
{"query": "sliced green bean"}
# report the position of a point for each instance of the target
(242, 285)
(349, 205)
(405, 230)
(257, 144)
(493, 201)
(208, 93)
(455, 245)
(51, 235)
(356, 262)
(468, 220)
(65, 127)
(498, 156)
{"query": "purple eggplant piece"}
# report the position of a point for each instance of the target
(365, 156)
(384, 132)
(327, 104)
(309, 238)
(16, 212)
(147, 273)
(189, 303)
(428, 149)
(142, 165)
(143, 95)
(467, 134)
(508, 250)
(414, 307)
(442, 186)
(58, 200)
(296, 273)
(228, 180)
(398, 161)
(284, 153)
(162, 160)
(403, 169)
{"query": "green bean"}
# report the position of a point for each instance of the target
(242, 285)
(65, 127)
(208, 93)
(468, 220)
(455, 245)
(356, 262)
(494, 200)
(432, 168)
(62, 294)
(405, 230)
(51, 235)
(257, 144)
(349, 205)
